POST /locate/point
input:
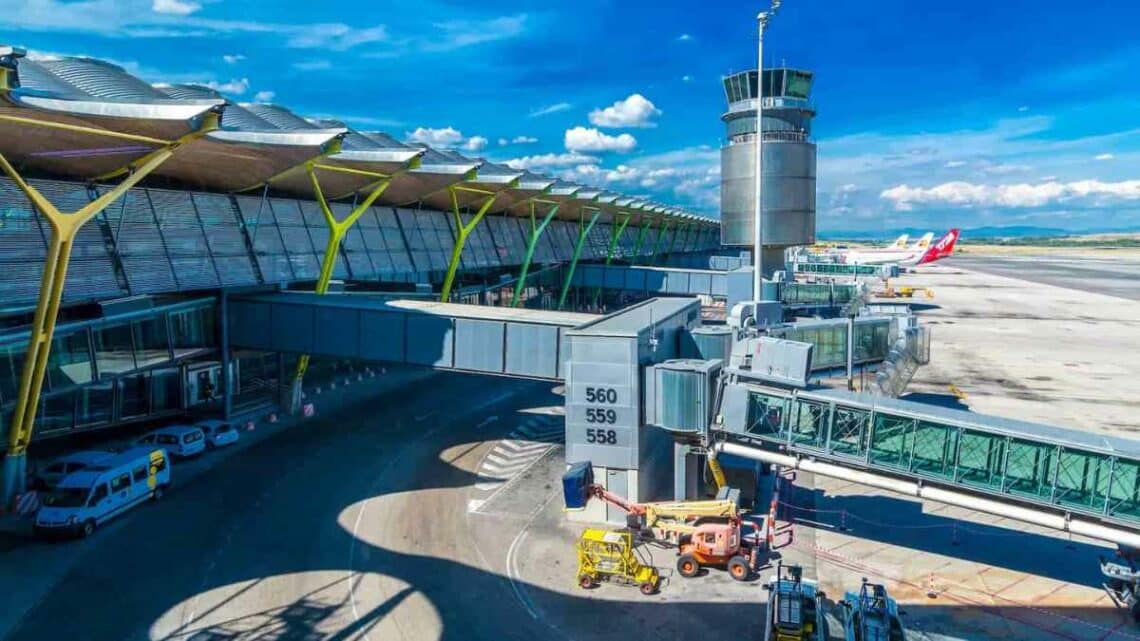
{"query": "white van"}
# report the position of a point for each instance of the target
(182, 441)
(82, 501)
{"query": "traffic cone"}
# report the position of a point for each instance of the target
(273, 417)
(249, 426)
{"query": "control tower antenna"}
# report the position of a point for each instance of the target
(757, 233)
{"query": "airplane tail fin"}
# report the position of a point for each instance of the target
(924, 242)
(900, 242)
(943, 248)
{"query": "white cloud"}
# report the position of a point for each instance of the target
(950, 164)
(475, 143)
(634, 111)
(1104, 157)
(550, 109)
(517, 140)
(233, 59)
(688, 78)
(264, 96)
(1023, 108)
(684, 37)
(236, 87)
(337, 36)
(960, 193)
(463, 33)
(175, 7)
(446, 137)
(584, 139)
(551, 160)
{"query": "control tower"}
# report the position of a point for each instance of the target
(788, 190)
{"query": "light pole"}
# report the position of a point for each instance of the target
(757, 231)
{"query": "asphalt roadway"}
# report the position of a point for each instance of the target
(1112, 276)
(271, 544)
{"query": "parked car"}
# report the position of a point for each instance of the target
(218, 433)
(56, 469)
(82, 501)
(182, 441)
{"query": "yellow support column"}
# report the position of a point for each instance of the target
(337, 230)
(461, 233)
(64, 227)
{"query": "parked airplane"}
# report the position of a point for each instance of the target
(920, 253)
(900, 242)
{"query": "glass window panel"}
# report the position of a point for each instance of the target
(57, 413)
(752, 92)
(934, 447)
(797, 84)
(151, 344)
(192, 331)
(70, 361)
(1124, 492)
(165, 390)
(11, 366)
(809, 423)
(849, 430)
(1082, 480)
(94, 403)
(114, 351)
(980, 460)
(134, 396)
(1029, 469)
(766, 415)
(892, 440)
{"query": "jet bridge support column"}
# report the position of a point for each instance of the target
(532, 242)
(461, 233)
(64, 228)
(584, 229)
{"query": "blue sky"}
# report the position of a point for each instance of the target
(931, 114)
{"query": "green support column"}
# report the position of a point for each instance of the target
(640, 240)
(583, 231)
(657, 242)
(673, 244)
(535, 233)
(461, 233)
(615, 234)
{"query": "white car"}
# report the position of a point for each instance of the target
(182, 441)
(218, 433)
(55, 470)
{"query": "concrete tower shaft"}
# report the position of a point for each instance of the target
(789, 162)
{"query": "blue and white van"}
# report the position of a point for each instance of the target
(84, 500)
(181, 441)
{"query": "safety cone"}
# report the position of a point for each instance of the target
(249, 426)
(317, 391)
(273, 417)
(332, 384)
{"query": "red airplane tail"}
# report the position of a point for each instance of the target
(943, 248)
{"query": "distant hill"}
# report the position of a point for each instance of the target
(970, 234)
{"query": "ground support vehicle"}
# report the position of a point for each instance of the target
(871, 615)
(795, 607)
(610, 555)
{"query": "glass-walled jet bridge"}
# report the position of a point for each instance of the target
(989, 462)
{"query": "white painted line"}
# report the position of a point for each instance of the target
(473, 505)
(485, 486)
(487, 421)
(494, 460)
(509, 470)
(421, 419)
(512, 574)
(517, 447)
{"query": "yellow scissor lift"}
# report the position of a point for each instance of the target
(605, 555)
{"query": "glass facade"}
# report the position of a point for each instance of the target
(938, 449)
(93, 377)
(872, 340)
(836, 269)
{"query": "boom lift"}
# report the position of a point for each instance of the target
(706, 533)
(795, 607)
(871, 615)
